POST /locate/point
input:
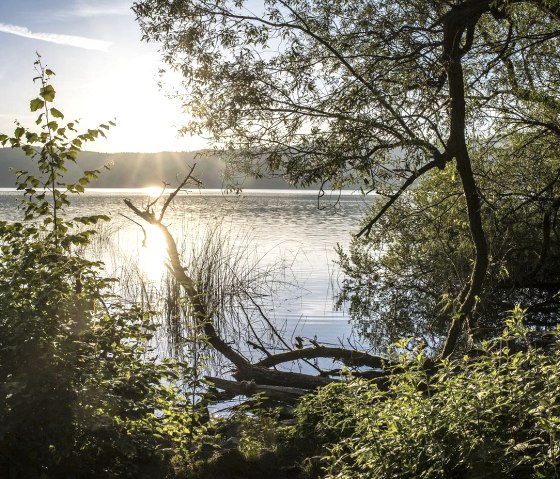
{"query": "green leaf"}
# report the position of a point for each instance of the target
(36, 104)
(31, 137)
(47, 93)
(56, 113)
(28, 149)
(19, 131)
(91, 174)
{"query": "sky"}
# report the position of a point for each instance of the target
(103, 72)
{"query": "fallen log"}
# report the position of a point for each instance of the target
(246, 373)
(284, 394)
(274, 377)
(349, 357)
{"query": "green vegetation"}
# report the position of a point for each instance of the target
(493, 415)
(449, 111)
(410, 288)
(81, 392)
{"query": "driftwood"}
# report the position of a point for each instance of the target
(283, 394)
(258, 376)
(349, 357)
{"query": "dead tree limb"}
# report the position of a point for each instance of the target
(285, 394)
(245, 371)
(347, 356)
(195, 297)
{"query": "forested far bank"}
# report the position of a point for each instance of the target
(137, 170)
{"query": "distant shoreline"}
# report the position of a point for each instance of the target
(136, 170)
(145, 191)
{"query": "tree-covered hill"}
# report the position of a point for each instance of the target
(135, 170)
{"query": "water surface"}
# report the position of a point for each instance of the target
(288, 226)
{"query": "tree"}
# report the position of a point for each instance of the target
(409, 289)
(376, 92)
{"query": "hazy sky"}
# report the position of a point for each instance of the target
(103, 71)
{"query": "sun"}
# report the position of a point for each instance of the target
(153, 191)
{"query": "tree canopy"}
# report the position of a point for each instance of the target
(384, 94)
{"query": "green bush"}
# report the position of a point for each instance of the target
(492, 416)
(81, 394)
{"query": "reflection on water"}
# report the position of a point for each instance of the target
(280, 225)
(153, 254)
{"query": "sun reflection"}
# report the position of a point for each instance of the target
(154, 253)
(153, 191)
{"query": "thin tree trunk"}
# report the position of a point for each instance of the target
(455, 28)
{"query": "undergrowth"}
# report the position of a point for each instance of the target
(494, 415)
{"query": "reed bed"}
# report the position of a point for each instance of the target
(241, 287)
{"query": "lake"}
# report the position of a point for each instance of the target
(288, 235)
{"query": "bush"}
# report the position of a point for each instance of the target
(81, 394)
(492, 416)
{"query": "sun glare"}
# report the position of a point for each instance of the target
(153, 191)
(154, 253)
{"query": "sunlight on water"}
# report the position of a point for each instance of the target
(153, 191)
(153, 253)
(291, 239)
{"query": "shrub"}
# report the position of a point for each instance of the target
(492, 416)
(81, 394)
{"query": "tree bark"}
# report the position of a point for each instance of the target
(455, 27)
(285, 394)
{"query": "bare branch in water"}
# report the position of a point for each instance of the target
(247, 371)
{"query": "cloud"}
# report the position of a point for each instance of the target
(70, 40)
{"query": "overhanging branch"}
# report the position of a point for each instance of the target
(439, 162)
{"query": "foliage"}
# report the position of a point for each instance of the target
(404, 277)
(492, 415)
(258, 429)
(303, 88)
(355, 92)
(253, 443)
(381, 94)
(82, 394)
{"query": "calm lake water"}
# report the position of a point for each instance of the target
(284, 231)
